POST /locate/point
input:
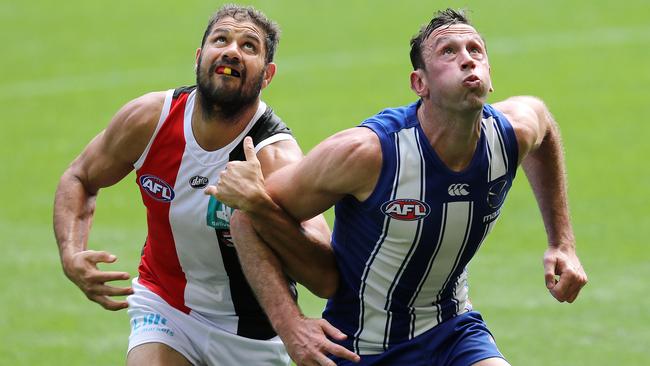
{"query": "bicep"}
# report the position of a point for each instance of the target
(110, 156)
(296, 190)
(98, 166)
(347, 163)
(527, 117)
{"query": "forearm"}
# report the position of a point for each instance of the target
(304, 250)
(74, 209)
(546, 172)
(264, 273)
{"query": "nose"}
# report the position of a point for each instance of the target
(466, 62)
(231, 51)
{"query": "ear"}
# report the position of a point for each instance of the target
(271, 68)
(419, 83)
(490, 87)
(196, 59)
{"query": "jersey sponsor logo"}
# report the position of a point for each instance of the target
(406, 209)
(458, 189)
(218, 215)
(491, 217)
(150, 322)
(497, 193)
(157, 188)
(198, 182)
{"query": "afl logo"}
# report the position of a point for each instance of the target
(406, 209)
(157, 188)
(198, 181)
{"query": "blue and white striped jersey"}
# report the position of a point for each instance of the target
(403, 252)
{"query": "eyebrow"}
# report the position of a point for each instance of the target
(247, 34)
(443, 39)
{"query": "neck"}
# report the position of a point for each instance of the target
(452, 134)
(214, 128)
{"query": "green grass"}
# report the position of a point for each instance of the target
(66, 68)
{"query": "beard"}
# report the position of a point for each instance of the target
(224, 100)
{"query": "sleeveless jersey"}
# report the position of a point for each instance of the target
(402, 253)
(188, 258)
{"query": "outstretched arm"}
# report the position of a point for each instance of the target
(107, 159)
(542, 157)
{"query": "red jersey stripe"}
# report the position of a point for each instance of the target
(162, 272)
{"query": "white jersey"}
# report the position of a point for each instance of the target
(188, 259)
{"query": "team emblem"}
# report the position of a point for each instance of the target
(157, 188)
(406, 209)
(497, 193)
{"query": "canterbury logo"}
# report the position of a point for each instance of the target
(458, 189)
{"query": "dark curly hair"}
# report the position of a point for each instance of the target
(249, 13)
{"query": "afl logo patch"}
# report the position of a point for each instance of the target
(198, 182)
(406, 209)
(157, 188)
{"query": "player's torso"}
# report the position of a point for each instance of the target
(189, 259)
(403, 251)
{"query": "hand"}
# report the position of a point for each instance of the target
(241, 185)
(572, 277)
(307, 343)
(81, 268)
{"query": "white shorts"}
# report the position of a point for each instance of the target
(200, 340)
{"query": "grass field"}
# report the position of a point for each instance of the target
(67, 67)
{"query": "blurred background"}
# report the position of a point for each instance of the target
(68, 67)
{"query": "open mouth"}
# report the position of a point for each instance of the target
(225, 70)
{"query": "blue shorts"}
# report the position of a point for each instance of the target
(459, 341)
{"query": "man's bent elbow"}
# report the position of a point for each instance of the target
(327, 285)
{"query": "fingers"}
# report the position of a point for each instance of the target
(322, 360)
(211, 191)
(101, 294)
(549, 272)
(92, 281)
(100, 256)
(342, 352)
(572, 280)
(335, 349)
(332, 331)
(110, 304)
(249, 149)
(110, 276)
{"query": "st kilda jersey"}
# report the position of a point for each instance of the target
(403, 252)
(189, 259)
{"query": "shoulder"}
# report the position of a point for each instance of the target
(133, 125)
(279, 154)
(267, 127)
(141, 112)
(527, 116)
(393, 119)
